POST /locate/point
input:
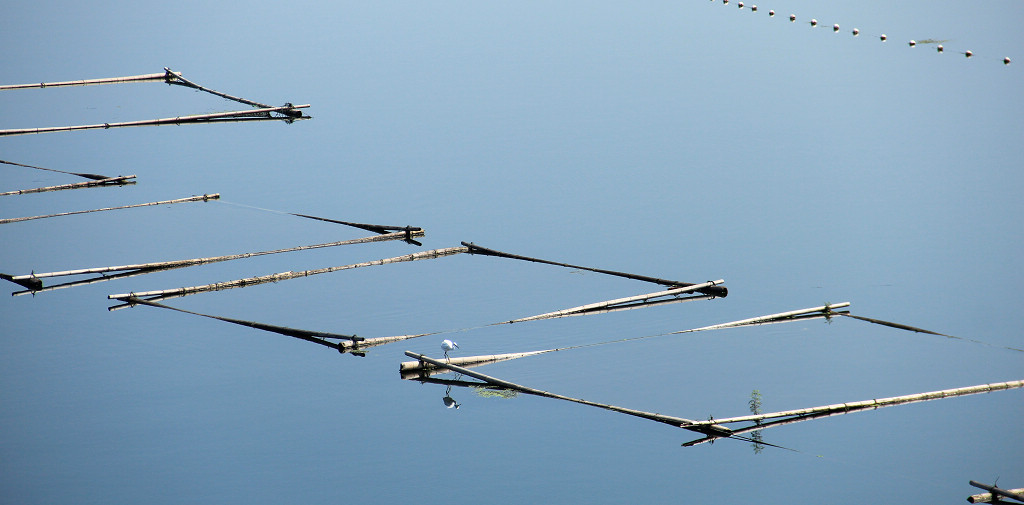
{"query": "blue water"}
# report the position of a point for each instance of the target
(682, 141)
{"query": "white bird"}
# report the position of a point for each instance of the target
(447, 345)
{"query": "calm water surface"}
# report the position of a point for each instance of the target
(678, 141)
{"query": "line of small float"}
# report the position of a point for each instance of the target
(856, 32)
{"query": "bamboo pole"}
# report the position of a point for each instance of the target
(611, 304)
(203, 198)
(212, 259)
(674, 421)
(36, 286)
(417, 366)
(873, 404)
(120, 180)
(359, 348)
(719, 291)
(770, 318)
(165, 76)
(232, 116)
(1017, 494)
(252, 281)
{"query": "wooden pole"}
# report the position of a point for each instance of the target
(233, 116)
(1016, 494)
(988, 498)
(109, 181)
(164, 76)
(611, 304)
(719, 291)
(782, 316)
(252, 281)
(674, 421)
(214, 259)
(203, 198)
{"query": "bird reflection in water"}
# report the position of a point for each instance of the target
(449, 402)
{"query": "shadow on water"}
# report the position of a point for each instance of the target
(346, 344)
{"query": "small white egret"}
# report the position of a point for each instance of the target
(447, 345)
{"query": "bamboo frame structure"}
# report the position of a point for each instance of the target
(263, 114)
(719, 291)
(714, 429)
(678, 422)
(204, 198)
(120, 180)
(626, 303)
(252, 281)
(33, 279)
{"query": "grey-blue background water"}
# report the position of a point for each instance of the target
(683, 140)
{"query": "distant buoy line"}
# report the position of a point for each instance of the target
(881, 37)
(253, 281)
(261, 112)
(201, 198)
(34, 281)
